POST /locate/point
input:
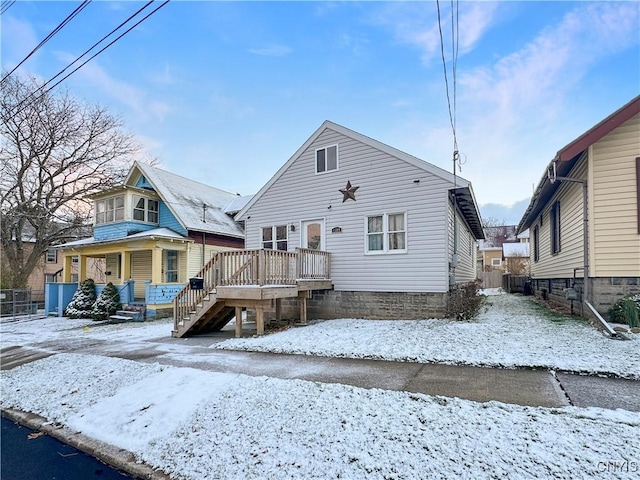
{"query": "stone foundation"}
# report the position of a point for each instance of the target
(604, 291)
(331, 304)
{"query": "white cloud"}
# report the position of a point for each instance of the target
(124, 93)
(417, 24)
(513, 114)
(18, 39)
(272, 51)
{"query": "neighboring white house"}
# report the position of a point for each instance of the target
(389, 220)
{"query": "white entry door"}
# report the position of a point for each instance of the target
(313, 234)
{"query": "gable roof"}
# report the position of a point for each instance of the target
(189, 200)
(461, 187)
(570, 154)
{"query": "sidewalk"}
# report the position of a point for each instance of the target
(516, 386)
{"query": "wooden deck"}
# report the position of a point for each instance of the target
(252, 279)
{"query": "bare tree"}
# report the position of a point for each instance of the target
(54, 151)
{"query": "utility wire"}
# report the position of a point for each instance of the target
(106, 46)
(446, 77)
(43, 88)
(62, 24)
(6, 6)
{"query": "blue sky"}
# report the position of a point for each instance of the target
(226, 92)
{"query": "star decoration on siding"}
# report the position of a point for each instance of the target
(348, 192)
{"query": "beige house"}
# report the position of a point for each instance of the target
(603, 164)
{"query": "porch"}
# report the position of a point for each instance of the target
(251, 279)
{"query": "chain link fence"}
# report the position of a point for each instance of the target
(16, 304)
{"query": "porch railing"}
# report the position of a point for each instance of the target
(252, 267)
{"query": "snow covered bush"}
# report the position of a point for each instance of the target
(108, 303)
(83, 300)
(626, 310)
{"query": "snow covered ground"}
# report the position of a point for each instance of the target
(511, 331)
(201, 425)
(195, 424)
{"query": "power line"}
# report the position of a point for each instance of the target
(446, 77)
(86, 52)
(62, 24)
(6, 6)
(43, 88)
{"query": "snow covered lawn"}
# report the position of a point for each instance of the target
(511, 331)
(201, 425)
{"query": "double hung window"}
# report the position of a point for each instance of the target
(327, 159)
(275, 238)
(386, 233)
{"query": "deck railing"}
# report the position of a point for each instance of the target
(252, 267)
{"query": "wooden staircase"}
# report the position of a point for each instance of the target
(246, 278)
(210, 315)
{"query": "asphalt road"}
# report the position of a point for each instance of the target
(27, 455)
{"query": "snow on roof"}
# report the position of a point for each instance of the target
(515, 250)
(524, 234)
(154, 233)
(237, 204)
(196, 206)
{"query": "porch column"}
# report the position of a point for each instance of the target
(156, 265)
(125, 266)
(66, 269)
(82, 268)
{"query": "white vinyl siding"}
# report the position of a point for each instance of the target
(614, 215)
(387, 184)
(465, 270)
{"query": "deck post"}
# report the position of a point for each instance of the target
(302, 300)
(278, 308)
(260, 320)
(238, 322)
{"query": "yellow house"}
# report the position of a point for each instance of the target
(153, 233)
(602, 166)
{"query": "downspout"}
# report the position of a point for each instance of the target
(551, 173)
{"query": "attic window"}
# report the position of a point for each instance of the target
(327, 159)
(145, 210)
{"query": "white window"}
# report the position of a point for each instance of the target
(386, 233)
(75, 259)
(496, 262)
(74, 278)
(52, 255)
(145, 209)
(110, 210)
(275, 238)
(327, 159)
(172, 266)
(49, 278)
